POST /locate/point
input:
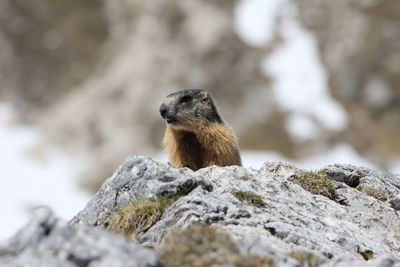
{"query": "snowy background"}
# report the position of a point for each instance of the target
(300, 90)
(28, 182)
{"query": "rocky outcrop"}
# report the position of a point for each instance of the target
(137, 179)
(263, 215)
(48, 241)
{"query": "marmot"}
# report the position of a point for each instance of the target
(196, 136)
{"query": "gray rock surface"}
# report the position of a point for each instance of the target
(138, 178)
(48, 241)
(292, 218)
(343, 231)
(386, 184)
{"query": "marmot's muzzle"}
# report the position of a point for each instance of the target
(165, 115)
(163, 111)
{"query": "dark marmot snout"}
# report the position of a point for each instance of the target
(196, 136)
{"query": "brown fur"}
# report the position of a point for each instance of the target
(202, 144)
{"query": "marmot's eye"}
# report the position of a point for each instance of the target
(186, 98)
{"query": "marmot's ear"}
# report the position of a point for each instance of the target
(205, 95)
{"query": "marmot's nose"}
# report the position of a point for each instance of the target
(163, 111)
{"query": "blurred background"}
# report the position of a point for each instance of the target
(313, 82)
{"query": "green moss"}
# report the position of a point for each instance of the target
(236, 260)
(307, 259)
(366, 254)
(250, 198)
(138, 216)
(195, 245)
(252, 261)
(203, 246)
(362, 173)
(317, 183)
(378, 194)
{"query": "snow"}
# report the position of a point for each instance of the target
(301, 128)
(28, 182)
(300, 80)
(255, 20)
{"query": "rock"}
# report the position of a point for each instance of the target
(266, 214)
(395, 202)
(344, 174)
(385, 261)
(290, 220)
(381, 185)
(48, 241)
(138, 178)
(353, 176)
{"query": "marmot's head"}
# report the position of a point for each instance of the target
(189, 108)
